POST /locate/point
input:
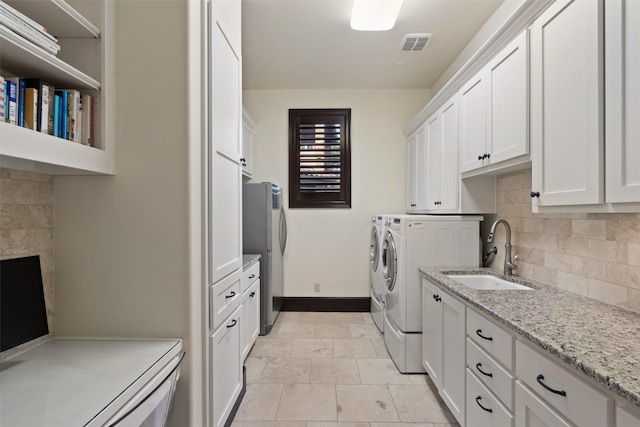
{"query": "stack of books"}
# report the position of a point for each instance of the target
(38, 105)
(27, 28)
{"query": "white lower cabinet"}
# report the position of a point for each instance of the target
(532, 411)
(580, 403)
(226, 367)
(483, 407)
(250, 317)
(625, 418)
(445, 321)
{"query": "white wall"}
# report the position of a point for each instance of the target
(122, 242)
(330, 246)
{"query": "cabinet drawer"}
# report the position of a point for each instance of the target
(490, 373)
(573, 398)
(224, 297)
(491, 338)
(533, 411)
(483, 407)
(250, 275)
(625, 418)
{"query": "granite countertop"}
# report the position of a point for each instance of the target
(598, 340)
(248, 260)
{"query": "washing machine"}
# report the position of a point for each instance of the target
(375, 264)
(411, 242)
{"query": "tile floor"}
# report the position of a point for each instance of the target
(333, 369)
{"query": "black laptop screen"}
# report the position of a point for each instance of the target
(23, 315)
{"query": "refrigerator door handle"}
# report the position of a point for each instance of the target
(283, 231)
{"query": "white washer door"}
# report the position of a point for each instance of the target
(374, 250)
(389, 261)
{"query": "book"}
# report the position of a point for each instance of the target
(56, 115)
(87, 120)
(12, 101)
(3, 91)
(63, 114)
(15, 14)
(20, 102)
(52, 90)
(29, 34)
(43, 94)
(31, 108)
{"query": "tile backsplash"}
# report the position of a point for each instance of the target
(26, 224)
(597, 255)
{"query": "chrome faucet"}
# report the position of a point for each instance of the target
(509, 264)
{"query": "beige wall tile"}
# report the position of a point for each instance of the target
(573, 246)
(587, 267)
(607, 292)
(591, 229)
(633, 299)
(623, 274)
(44, 239)
(607, 250)
(533, 225)
(573, 282)
(556, 261)
(560, 227)
(17, 242)
(633, 253)
(545, 275)
(17, 192)
(529, 255)
(624, 231)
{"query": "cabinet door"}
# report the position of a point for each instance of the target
(509, 102)
(566, 104)
(622, 102)
(225, 203)
(225, 367)
(434, 164)
(432, 332)
(248, 127)
(250, 318)
(473, 123)
(625, 418)
(531, 411)
(450, 176)
(453, 356)
(417, 170)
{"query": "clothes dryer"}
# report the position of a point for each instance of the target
(375, 264)
(411, 242)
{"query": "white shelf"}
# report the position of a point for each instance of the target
(22, 148)
(22, 58)
(58, 17)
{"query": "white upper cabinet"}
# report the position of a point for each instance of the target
(622, 100)
(417, 170)
(494, 110)
(86, 62)
(473, 123)
(442, 158)
(248, 127)
(225, 175)
(566, 104)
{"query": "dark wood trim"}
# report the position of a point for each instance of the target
(236, 405)
(343, 304)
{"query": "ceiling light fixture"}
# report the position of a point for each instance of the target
(374, 15)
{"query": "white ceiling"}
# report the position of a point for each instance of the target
(308, 44)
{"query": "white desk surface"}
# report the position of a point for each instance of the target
(68, 382)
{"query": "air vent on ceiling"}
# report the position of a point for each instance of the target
(415, 41)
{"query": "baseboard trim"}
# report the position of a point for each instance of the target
(341, 304)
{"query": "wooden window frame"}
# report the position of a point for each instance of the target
(300, 199)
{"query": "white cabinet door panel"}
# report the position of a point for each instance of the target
(473, 123)
(449, 175)
(566, 95)
(509, 101)
(531, 411)
(432, 332)
(622, 100)
(434, 161)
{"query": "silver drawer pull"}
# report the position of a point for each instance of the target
(540, 378)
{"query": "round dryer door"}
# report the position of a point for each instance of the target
(389, 261)
(374, 250)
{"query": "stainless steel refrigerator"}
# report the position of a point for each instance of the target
(264, 230)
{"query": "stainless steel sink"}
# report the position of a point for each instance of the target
(487, 282)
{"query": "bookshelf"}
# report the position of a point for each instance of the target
(86, 62)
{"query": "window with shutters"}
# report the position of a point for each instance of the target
(320, 158)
